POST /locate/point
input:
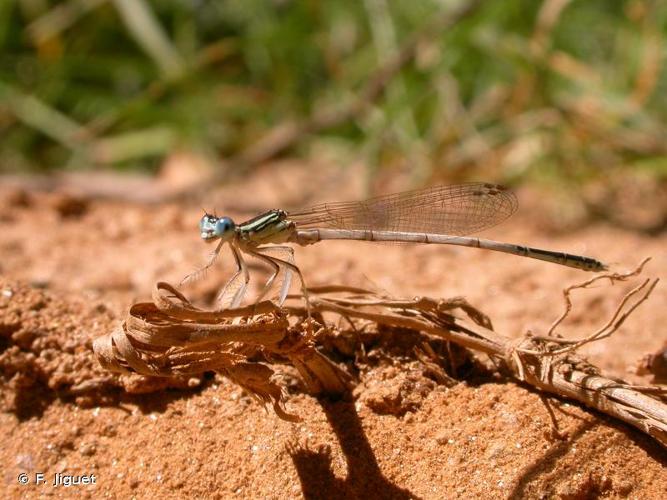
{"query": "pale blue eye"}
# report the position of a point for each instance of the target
(224, 225)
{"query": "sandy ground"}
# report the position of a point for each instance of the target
(69, 271)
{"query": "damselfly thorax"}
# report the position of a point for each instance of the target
(269, 227)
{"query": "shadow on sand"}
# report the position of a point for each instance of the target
(364, 477)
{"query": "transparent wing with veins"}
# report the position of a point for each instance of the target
(452, 210)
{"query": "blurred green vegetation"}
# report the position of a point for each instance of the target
(554, 88)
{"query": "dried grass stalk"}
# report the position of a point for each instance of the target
(170, 336)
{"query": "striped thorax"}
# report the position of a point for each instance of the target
(269, 227)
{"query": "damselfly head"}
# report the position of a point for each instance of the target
(212, 228)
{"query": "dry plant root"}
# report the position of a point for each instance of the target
(170, 336)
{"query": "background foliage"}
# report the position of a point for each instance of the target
(569, 89)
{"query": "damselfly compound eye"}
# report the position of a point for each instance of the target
(224, 226)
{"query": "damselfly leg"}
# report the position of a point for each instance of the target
(201, 272)
(288, 266)
(233, 292)
(280, 252)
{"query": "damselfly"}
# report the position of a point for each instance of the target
(440, 214)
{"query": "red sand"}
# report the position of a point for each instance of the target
(70, 270)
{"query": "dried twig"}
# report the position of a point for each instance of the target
(586, 284)
(170, 336)
(612, 324)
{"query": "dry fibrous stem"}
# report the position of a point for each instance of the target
(616, 319)
(170, 336)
